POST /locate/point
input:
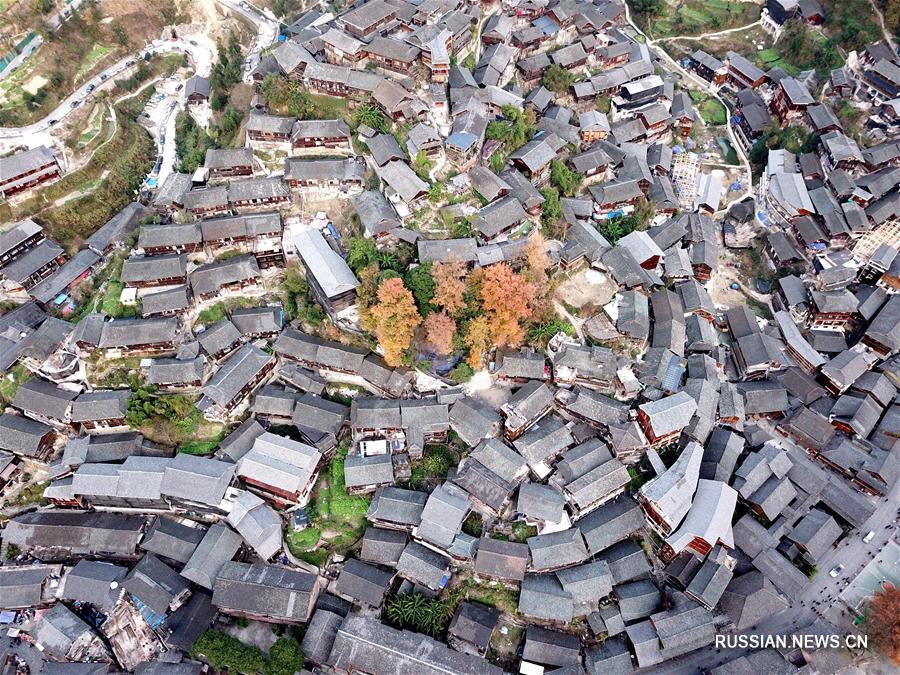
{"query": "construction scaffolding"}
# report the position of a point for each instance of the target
(685, 167)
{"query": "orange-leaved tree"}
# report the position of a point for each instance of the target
(506, 298)
(537, 264)
(395, 319)
(478, 340)
(440, 329)
(449, 285)
(883, 622)
(367, 294)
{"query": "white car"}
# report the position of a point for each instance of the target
(836, 570)
(869, 537)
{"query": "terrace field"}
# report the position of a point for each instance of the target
(696, 17)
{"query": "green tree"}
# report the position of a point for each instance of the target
(119, 34)
(191, 143)
(557, 79)
(285, 657)
(565, 180)
(436, 192)
(515, 130)
(286, 96)
(551, 211)
(649, 7)
(299, 302)
(371, 115)
(223, 651)
(498, 162)
(424, 615)
(421, 284)
(361, 252)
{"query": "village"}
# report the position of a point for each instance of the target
(493, 338)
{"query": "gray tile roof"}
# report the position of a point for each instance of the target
(125, 333)
(171, 539)
(23, 586)
(257, 523)
(278, 593)
(443, 515)
(95, 582)
(100, 405)
(423, 566)
(21, 435)
(543, 597)
(501, 559)
(235, 373)
(383, 546)
(217, 547)
(365, 640)
(364, 584)
(397, 506)
(557, 550)
(42, 398)
(75, 533)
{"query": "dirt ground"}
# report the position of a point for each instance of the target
(586, 289)
(728, 272)
(256, 634)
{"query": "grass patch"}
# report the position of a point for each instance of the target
(503, 648)
(94, 126)
(522, 531)
(192, 434)
(111, 304)
(499, 596)
(9, 387)
(712, 112)
(301, 542)
(98, 53)
(212, 315)
(696, 17)
(637, 479)
(219, 311)
(435, 462)
(33, 494)
(203, 447)
(327, 107)
(339, 517)
(759, 308)
(127, 158)
(772, 58)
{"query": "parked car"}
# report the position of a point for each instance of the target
(74, 104)
(52, 122)
(192, 42)
(91, 88)
(836, 570)
(869, 537)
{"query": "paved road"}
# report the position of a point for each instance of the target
(54, 21)
(853, 553)
(266, 31)
(37, 133)
(703, 86)
(705, 36)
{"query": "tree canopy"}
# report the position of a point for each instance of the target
(565, 179)
(395, 319)
(882, 623)
(223, 651)
(557, 79)
(506, 298)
